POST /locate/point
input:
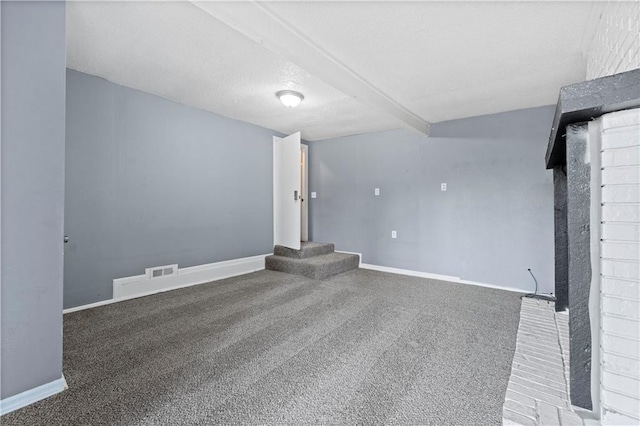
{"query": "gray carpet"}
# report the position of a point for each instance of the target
(362, 347)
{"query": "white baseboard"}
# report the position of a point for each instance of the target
(409, 272)
(141, 285)
(448, 278)
(89, 306)
(30, 396)
(352, 252)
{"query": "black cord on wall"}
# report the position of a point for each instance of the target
(535, 294)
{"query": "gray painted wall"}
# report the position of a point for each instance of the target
(494, 221)
(33, 131)
(151, 182)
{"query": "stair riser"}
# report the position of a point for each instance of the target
(317, 272)
(305, 252)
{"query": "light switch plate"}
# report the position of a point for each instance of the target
(394, 234)
(377, 191)
(313, 195)
(443, 187)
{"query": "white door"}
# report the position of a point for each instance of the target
(304, 187)
(286, 191)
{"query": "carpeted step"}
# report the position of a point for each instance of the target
(317, 267)
(307, 249)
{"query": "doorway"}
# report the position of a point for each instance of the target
(290, 187)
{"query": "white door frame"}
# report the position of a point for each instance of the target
(304, 193)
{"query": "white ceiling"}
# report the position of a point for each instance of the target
(362, 66)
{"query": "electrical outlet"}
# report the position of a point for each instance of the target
(313, 195)
(376, 191)
(443, 187)
(394, 234)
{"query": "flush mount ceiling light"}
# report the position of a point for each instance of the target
(290, 98)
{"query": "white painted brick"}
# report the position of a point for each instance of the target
(625, 175)
(625, 269)
(537, 395)
(533, 385)
(625, 307)
(626, 365)
(555, 375)
(538, 383)
(542, 340)
(520, 399)
(542, 329)
(530, 322)
(621, 157)
(516, 407)
(626, 119)
(511, 418)
(536, 323)
(508, 422)
(537, 363)
(620, 231)
(621, 193)
(620, 403)
(539, 357)
(609, 49)
(550, 383)
(569, 418)
(613, 344)
(612, 212)
(534, 302)
(548, 414)
(537, 307)
(620, 250)
(613, 418)
(543, 334)
(621, 384)
(620, 326)
(621, 288)
(619, 137)
(540, 309)
(538, 312)
(545, 349)
(542, 350)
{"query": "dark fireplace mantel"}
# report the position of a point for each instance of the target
(586, 101)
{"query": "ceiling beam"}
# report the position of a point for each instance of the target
(259, 23)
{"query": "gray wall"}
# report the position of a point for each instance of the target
(494, 221)
(33, 129)
(152, 182)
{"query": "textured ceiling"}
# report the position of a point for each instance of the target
(447, 60)
(436, 60)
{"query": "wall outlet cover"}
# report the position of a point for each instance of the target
(376, 191)
(394, 234)
(313, 195)
(443, 187)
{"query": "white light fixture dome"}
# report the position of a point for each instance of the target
(290, 98)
